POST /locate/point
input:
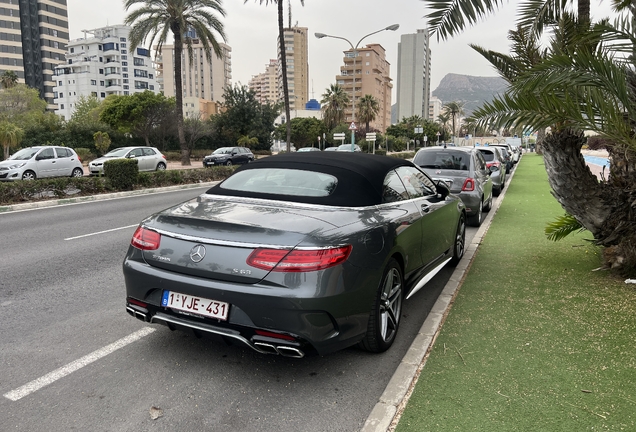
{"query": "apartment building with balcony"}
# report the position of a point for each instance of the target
(296, 56)
(202, 78)
(33, 37)
(368, 70)
(101, 64)
(413, 75)
(265, 85)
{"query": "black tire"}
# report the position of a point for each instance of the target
(476, 219)
(228, 163)
(29, 175)
(496, 191)
(488, 205)
(459, 246)
(384, 320)
(77, 172)
(161, 166)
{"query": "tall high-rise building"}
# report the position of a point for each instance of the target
(296, 55)
(414, 75)
(101, 64)
(201, 78)
(33, 37)
(265, 85)
(371, 73)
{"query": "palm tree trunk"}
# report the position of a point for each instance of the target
(178, 81)
(283, 63)
(573, 184)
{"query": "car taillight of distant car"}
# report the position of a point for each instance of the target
(469, 185)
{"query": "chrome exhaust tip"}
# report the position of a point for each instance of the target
(137, 314)
(266, 348)
(292, 352)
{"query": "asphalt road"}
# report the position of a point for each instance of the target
(73, 359)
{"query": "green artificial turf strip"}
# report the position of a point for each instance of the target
(535, 340)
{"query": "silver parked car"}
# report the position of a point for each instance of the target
(148, 159)
(465, 172)
(40, 162)
(296, 254)
(497, 166)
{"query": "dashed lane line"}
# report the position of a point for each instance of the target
(51, 377)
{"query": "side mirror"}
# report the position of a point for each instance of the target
(442, 189)
(493, 169)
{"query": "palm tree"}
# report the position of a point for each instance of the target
(585, 82)
(368, 109)
(455, 109)
(10, 136)
(8, 79)
(334, 101)
(283, 62)
(443, 119)
(155, 19)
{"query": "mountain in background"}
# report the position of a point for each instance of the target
(471, 90)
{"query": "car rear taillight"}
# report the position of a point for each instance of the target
(469, 185)
(137, 302)
(163, 156)
(298, 260)
(145, 239)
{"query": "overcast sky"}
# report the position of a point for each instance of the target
(251, 31)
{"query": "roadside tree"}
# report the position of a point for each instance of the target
(154, 19)
(368, 109)
(8, 79)
(334, 101)
(304, 131)
(10, 137)
(283, 60)
(244, 116)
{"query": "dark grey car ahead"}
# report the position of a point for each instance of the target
(464, 170)
(296, 254)
(229, 156)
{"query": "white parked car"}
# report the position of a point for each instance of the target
(40, 162)
(148, 159)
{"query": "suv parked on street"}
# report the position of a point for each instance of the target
(40, 162)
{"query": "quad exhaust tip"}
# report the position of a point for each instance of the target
(285, 351)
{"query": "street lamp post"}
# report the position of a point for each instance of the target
(355, 54)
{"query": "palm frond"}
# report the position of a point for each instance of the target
(562, 227)
(536, 15)
(450, 17)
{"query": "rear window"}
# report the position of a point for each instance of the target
(450, 160)
(488, 155)
(280, 181)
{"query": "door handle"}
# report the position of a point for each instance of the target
(426, 208)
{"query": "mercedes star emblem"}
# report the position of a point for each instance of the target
(197, 253)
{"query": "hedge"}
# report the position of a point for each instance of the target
(67, 187)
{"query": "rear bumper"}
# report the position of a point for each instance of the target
(309, 323)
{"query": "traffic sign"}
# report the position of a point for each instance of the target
(353, 126)
(339, 135)
(371, 136)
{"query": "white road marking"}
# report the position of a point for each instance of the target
(101, 232)
(51, 377)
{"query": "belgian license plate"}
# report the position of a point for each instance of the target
(195, 305)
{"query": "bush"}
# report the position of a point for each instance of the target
(65, 187)
(84, 154)
(172, 156)
(121, 173)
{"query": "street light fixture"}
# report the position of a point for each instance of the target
(392, 27)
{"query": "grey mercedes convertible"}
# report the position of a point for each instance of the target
(297, 254)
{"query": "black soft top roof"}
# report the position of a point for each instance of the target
(360, 176)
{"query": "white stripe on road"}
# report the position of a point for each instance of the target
(101, 232)
(49, 378)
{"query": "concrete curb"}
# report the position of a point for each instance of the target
(101, 197)
(387, 412)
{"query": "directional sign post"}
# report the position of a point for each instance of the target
(371, 136)
(339, 137)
